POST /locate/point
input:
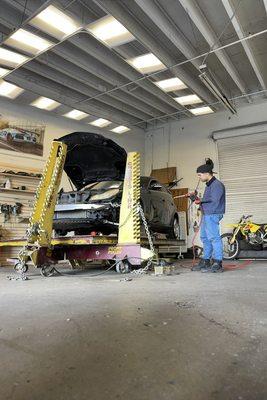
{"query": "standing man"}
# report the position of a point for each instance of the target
(212, 207)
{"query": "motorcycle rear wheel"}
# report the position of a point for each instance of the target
(230, 250)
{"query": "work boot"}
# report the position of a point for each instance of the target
(216, 267)
(203, 263)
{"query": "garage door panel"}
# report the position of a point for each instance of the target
(243, 170)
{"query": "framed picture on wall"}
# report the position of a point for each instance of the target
(22, 136)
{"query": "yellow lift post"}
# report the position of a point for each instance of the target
(45, 251)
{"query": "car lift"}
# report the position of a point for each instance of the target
(45, 252)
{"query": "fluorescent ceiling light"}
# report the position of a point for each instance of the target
(120, 129)
(45, 103)
(201, 110)
(76, 114)
(9, 90)
(110, 31)
(214, 88)
(146, 63)
(27, 41)
(169, 85)
(187, 100)
(100, 122)
(11, 59)
(3, 72)
(55, 22)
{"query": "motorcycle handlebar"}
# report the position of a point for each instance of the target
(246, 217)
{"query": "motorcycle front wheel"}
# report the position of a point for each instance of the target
(230, 250)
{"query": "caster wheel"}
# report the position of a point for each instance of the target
(123, 267)
(21, 268)
(47, 270)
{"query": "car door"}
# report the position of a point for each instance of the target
(158, 201)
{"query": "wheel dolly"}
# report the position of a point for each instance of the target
(45, 252)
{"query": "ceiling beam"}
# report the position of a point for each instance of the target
(112, 60)
(70, 69)
(171, 31)
(246, 45)
(141, 34)
(83, 88)
(77, 56)
(201, 22)
(45, 87)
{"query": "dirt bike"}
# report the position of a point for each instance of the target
(244, 230)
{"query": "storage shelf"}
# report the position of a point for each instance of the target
(17, 191)
(19, 176)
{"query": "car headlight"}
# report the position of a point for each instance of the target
(105, 196)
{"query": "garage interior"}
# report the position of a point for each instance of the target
(173, 82)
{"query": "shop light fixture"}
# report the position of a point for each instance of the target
(212, 85)
(76, 114)
(110, 31)
(27, 41)
(10, 58)
(55, 22)
(146, 63)
(9, 90)
(3, 72)
(169, 85)
(120, 129)
(100, 123)
(45, 103)
(188, 100)
(201, 110)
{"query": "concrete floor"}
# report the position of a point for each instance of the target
(189, 336)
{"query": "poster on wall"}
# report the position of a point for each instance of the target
(23, 137)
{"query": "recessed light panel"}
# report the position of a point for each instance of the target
(100, 122)
(55, 22)
(146, 63)
(10, 58)
(45, 103)
(201, 110)
(110, 31)
(187, 100)
(27, 41)
(9, 90)
(3, 72)
(169, 85)
(120, 129)
(76, 114)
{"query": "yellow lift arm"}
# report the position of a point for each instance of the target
(39, 233)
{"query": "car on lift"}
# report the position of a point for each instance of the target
(95, 165)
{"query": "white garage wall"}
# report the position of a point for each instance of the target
(57, 127)
(186, 144)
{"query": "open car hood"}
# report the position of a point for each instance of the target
(93, 158)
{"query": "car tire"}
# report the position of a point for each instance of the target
(123, 267)
(174, 232)
(230, 251)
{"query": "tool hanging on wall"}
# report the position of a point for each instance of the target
(10, 209)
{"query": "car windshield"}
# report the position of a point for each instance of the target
(105, 185)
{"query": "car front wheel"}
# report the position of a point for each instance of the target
(174, 232)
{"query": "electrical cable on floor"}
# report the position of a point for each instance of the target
(106, 270)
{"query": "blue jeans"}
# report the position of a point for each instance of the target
(210, 237)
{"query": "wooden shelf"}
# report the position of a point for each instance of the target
(17, 191)
(19, 176)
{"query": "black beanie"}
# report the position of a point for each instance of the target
(206, 168)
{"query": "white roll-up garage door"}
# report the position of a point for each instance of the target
(243, 170)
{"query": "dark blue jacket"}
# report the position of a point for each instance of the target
(213, 201)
